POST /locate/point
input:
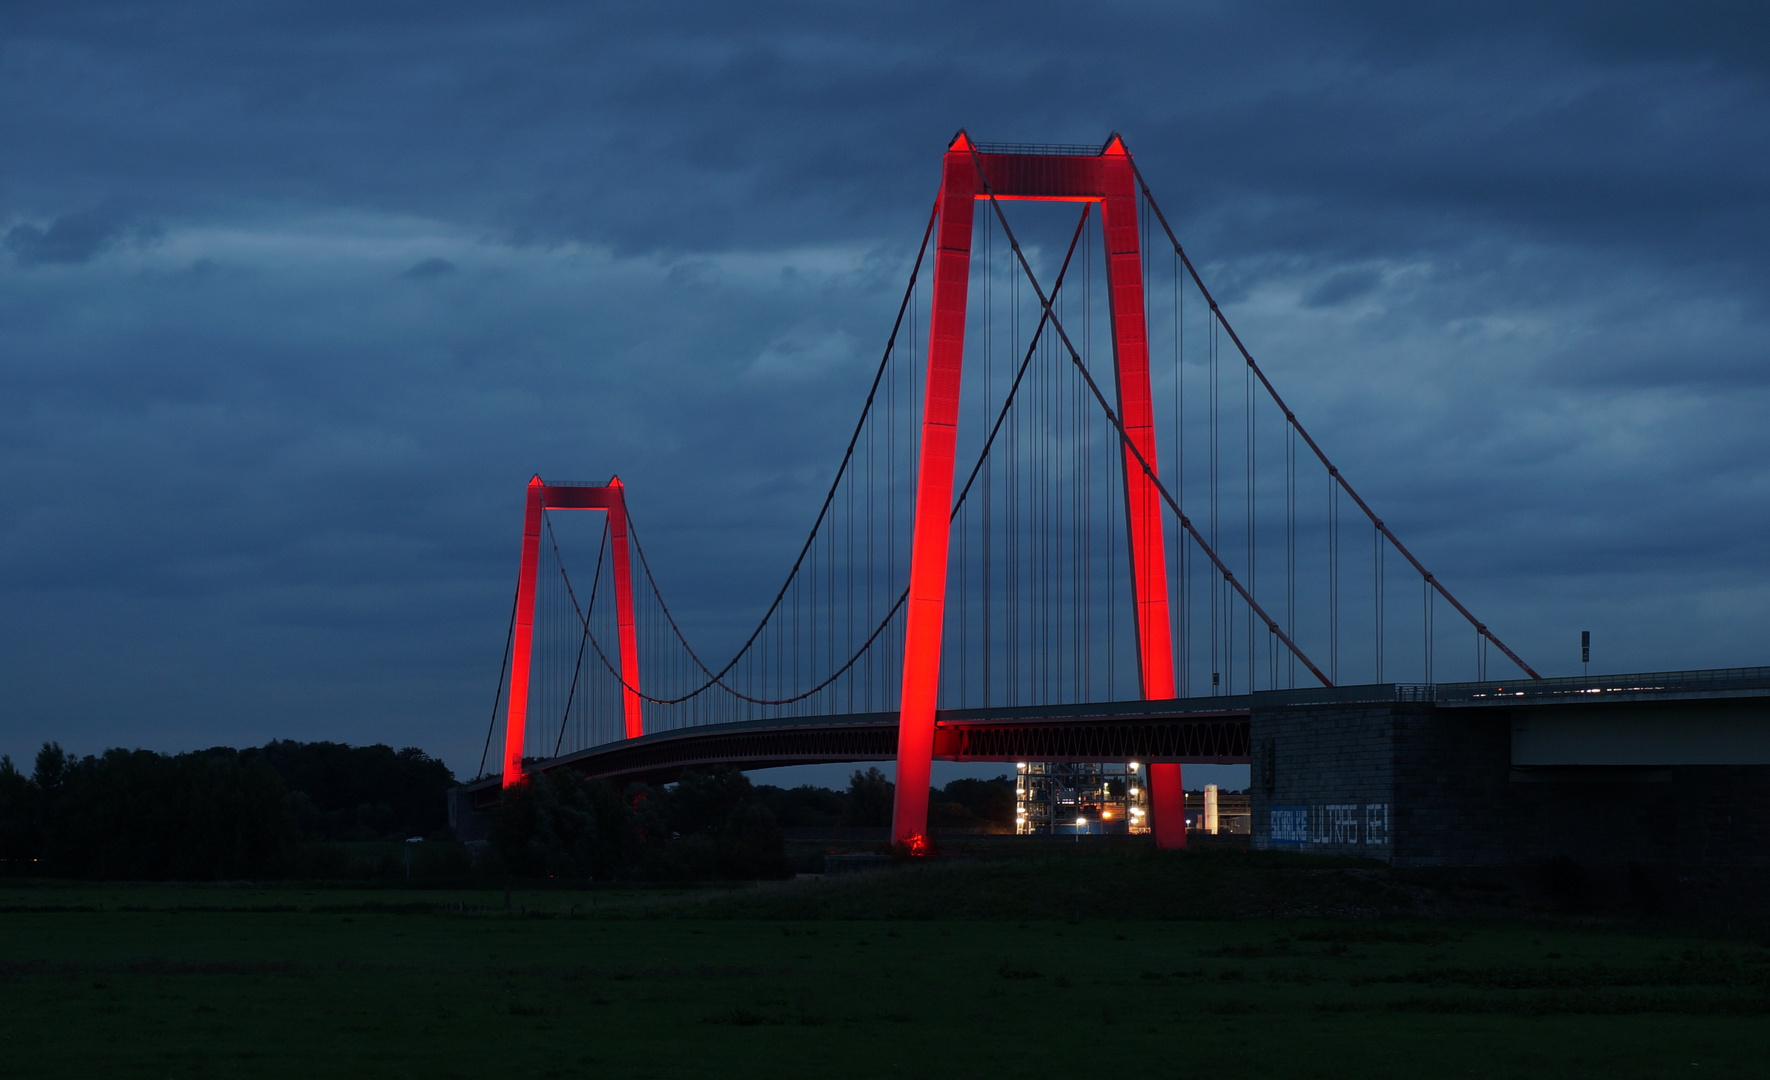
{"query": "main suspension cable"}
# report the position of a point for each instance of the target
(584, 616)
(841, 469)
(1290, 417)
(503, 666)
(715, 679)
(1125, 437)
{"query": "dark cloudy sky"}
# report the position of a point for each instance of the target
(295, 297)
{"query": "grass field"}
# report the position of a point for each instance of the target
(1052, 966)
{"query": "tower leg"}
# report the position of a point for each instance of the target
(632, 713)
(1143, 508)
(929, 543)
(517, 717)
(1167, 805)
(1109, 178)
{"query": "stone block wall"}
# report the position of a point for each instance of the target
(1462, 803)
(1417, 785)
(1722, 813)
(1323, 780)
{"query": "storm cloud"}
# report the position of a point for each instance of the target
(296, 297)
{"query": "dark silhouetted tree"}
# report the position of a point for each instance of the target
(870, 798)
(138, 814)
(561, 825)
(340, 792)
(805, 806)
(18, 819)
(720, 826)
(973, 803)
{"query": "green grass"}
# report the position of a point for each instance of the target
(977, 969)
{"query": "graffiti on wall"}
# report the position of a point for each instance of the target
(1362, 824)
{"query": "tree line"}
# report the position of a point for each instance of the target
(208, 814)
(706, 825)
(261, 812)
(961, 804)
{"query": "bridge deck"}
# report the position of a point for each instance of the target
(1207, 730)
(1192, 731)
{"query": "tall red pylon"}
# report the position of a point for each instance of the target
(612, 498)
(967, 175)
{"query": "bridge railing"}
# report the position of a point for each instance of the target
(1711, 681)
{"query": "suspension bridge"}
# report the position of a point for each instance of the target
(1074, 520)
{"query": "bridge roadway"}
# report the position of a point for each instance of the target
(1211, 730)
(1713, 717)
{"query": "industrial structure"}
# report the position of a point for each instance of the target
(1054, 798)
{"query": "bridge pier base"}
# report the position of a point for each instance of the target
(1167, 805)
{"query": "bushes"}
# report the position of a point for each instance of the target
(217, 813)
(964, 803)
(720, 827)
(713, 825)
(328, 810)
(805, 806)
(968, 803)
(341, 792)
(561, 825)
(870, 798)
(138, 814)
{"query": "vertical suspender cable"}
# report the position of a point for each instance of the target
(853, 569)
(1041, 585)
(1216, 586)
(989, 468)
(584, 637)
(1426, 622)
(498, 694)
(872, 494)
(1333, 580)
(1014, 511)
(1221, 319)
(1290, 540)
(1085, 439)
(1113, 506)
(1250, 490)
(1078, 523)
(1377, 586)
(1182, 613)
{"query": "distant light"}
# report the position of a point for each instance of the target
(1105, 814)
(1081, 821)
(1133, 790)
(1133, 766)
(1021, 766)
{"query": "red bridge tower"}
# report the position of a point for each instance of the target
(969, 175)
